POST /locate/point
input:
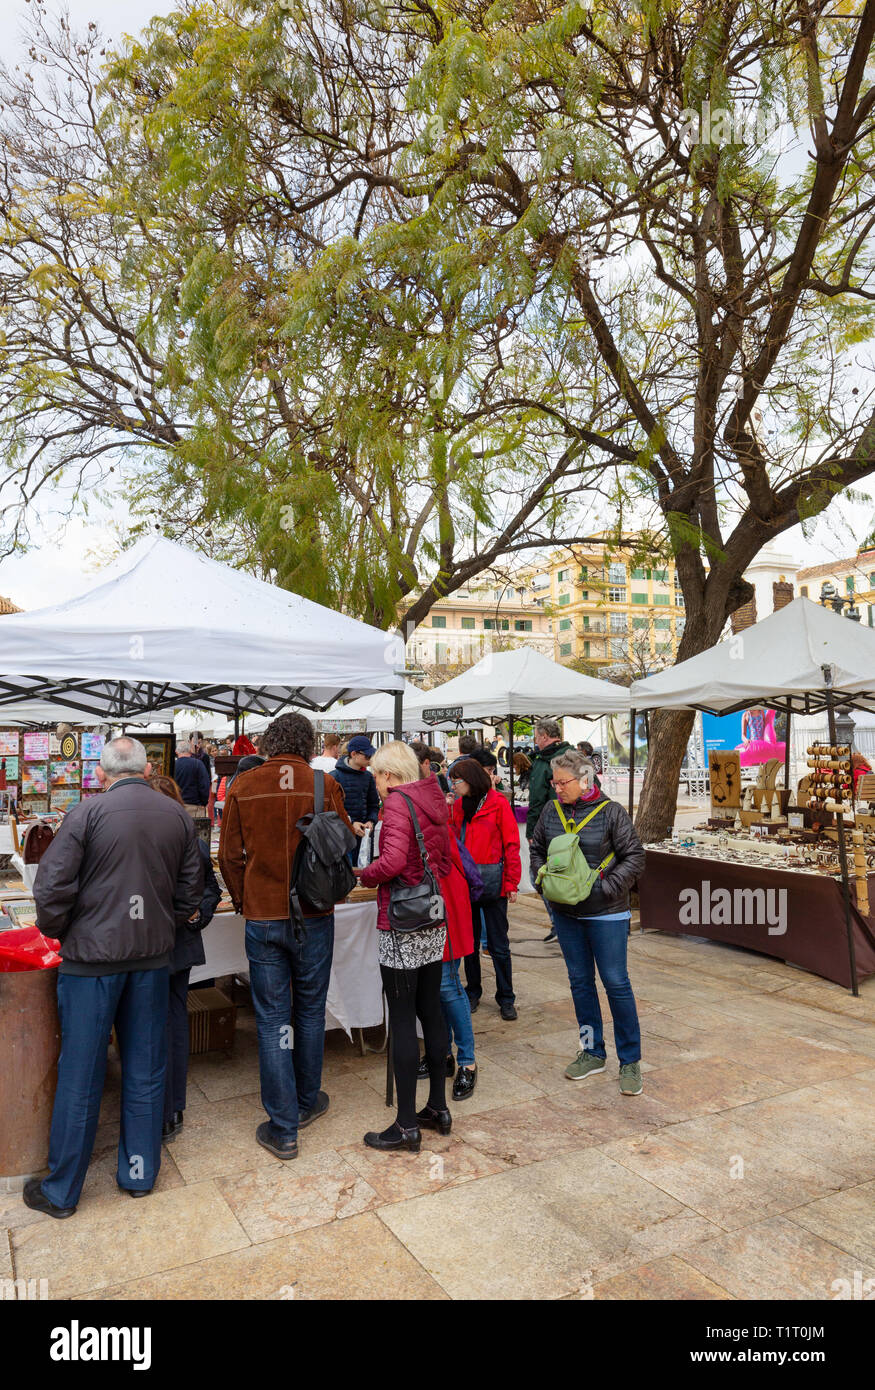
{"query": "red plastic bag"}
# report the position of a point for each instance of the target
(25, 948)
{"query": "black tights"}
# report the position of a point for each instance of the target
(412, 993)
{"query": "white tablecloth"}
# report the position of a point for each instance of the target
(355, 990)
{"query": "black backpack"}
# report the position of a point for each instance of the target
(321, 873)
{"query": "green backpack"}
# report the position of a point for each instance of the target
(566, 878)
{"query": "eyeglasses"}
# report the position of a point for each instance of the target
(569, 782)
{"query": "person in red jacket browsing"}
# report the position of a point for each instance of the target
(488, 829)
(455, 1003)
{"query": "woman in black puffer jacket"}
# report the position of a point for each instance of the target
(594, 933)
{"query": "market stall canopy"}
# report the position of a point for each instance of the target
(373, 714)
(519, 682)
(164, 626)
(777, 662)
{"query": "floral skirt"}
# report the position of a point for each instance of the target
(410, 949)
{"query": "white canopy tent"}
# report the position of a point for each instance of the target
(373, 714)
(521, 682)
(164, 627)
(804, 659)
(777, 662)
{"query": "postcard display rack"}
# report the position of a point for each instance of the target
(46, 772)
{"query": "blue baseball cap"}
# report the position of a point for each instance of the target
(361, 744)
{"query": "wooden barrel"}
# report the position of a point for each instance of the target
(30, 1043)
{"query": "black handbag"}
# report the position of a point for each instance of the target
(414, 906)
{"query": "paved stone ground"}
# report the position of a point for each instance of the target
(745, 1170)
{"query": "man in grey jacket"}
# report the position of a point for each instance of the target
(121, 872)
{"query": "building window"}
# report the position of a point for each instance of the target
(562, 576)
(679, 625)
(468, 623)
(662, 622)
(584, 594)
(618, 622)
(849, 584)
(617, 574)
(663, 599)
(871, 616)
(565, 649)
(616, 595)
(564, 598)
(586, 620)
(582, 577)
(522, 625)
(618, 646)
(493, 624)
(639, 623)
(641, 574)
(438, 622)
(586, 644)
(660, 576)
(678, 599)
(639, 598)
(871, 582)
(564, 624)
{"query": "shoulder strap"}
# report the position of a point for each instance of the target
(576, 829)
(420, 838)
(318, 791)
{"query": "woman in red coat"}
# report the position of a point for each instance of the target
(488, 829)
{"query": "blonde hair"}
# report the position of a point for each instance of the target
(398, 759)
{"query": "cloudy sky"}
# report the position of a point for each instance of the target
(64, 552)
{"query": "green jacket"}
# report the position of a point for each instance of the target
(540, 791)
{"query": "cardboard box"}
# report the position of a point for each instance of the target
(212, 1019)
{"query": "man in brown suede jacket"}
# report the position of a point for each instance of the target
(256, 854)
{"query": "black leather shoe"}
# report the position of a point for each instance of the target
(171, 1127)
(509, 1013)
(280, 1148)
(306, 1117)
(138, 1191)
(466, 1080)
(475, 1004)
(441, 1120)
(396, 1139)
(33, 1196)
(551, 936)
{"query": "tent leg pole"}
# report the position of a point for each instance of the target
(787, 753)
(632, 722)
(399, 713)
(843, 849)
(510, 755)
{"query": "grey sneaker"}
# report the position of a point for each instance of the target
(630, 1079)
(585, 1064)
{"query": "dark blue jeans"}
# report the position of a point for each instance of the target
(289, 976)
(586, 944)
(494, 917)
(177, 1044)
(88, 1006)
(457, 1013)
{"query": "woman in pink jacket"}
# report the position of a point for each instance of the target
(411, 963)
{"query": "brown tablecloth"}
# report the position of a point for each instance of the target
(816, 934)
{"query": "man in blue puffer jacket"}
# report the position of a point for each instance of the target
(360, 795)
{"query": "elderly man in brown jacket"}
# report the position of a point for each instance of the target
(256, 855)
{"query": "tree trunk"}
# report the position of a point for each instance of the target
(670, 730)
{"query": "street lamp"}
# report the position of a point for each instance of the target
(831, 598)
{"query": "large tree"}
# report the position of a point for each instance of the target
(407, 278)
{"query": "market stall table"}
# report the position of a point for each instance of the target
(355, 990)
(811, 910)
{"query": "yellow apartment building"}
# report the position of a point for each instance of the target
(610, 611)
(853, 578)
(498, 611)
